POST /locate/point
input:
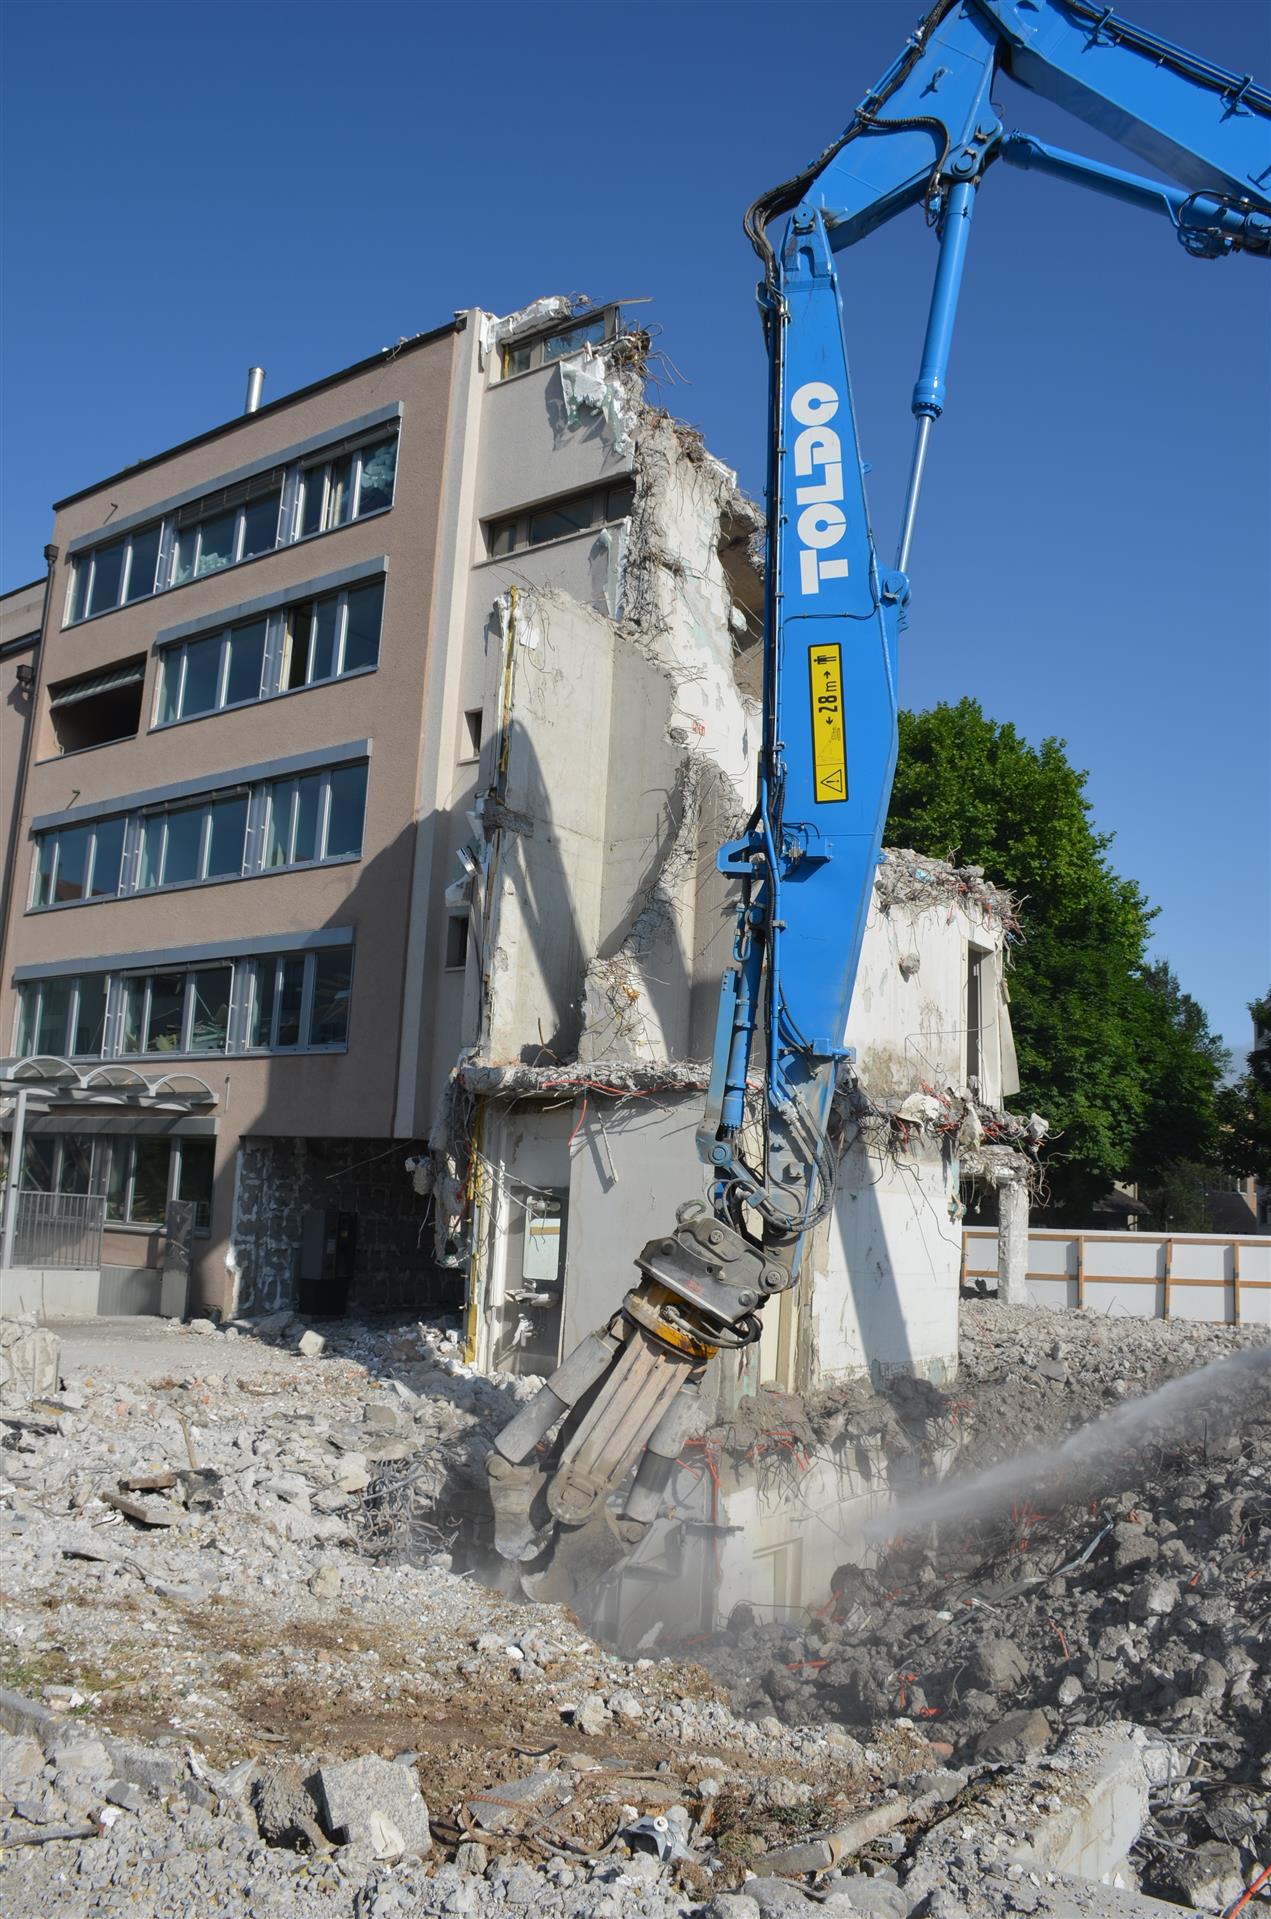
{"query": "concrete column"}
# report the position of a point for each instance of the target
(1012, 1242)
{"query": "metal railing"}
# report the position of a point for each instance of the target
(59, 1229)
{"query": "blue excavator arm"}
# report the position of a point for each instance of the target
(927, 135)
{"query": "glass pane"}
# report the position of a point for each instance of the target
(362, 629)
(297, 669)
(339, 490)
(211, 987)
(37, 1162)
(308, 799)
(379, 463)
(329, 1020)
(79, 590)
(28, 1018)
(45, 859)
(72, 863)
(77, 1164)
(133, 1010)
(184, 548)
(151, 862)
(90, 1020)
(293, 979)
(620, 502)
(260, 525)
(194, 1180)
(262, 1019)
(278, 836)
(246, 652)
(108, 566)
(216, 547)
(516, 359)
(108, 858)
(150, 1181)
(556, 521)
(167, 1013)
(145, 558)
(112, 1174)
(314, 494)
(322, 652)
(348, 803)
(169, 685)
(185, 841)
(202, 676)
(562, 344)
(54, 1017)
(229, 829)
(503, 538)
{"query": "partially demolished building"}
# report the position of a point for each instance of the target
(482, 938)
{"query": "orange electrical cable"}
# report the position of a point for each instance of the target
(1245, 1897)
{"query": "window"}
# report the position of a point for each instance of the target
(285, 1002)
(138, 1177)
(300, 1002)
(300, 645)
(354, 484)
(97, 708)
(457, 940)
(350, 481)
(520, 356)
(471, 744)
(560, 519)
(220, 836)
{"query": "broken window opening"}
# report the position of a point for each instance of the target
(560, 519)
(534, 1289)
(543, 349)
(471, 735)
(977, 979)
(96, 709)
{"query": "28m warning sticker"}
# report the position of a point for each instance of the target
(829, 741)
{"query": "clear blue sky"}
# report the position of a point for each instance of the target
(189, 189)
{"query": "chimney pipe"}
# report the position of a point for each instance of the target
(255, 388)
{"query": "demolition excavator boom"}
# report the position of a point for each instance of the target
(927, 135)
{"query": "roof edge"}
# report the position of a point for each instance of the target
(456, 325)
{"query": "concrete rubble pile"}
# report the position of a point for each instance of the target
(1139, 1594)
(242, 1673)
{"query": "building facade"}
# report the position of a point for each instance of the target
(229, 973)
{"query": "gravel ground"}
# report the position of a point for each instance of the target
(208, 1616)
(244, 1677)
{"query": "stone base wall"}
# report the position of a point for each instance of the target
(280, 1180)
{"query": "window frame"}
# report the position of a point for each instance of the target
(141, 823)
(290, 479)
(137, 986)
(101, 1151)
(275, 656)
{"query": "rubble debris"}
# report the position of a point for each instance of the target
(268, 1676)
(29, 1360)
(376, 1802)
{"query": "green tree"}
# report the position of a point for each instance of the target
(1183, 1064)
(1102, 1037)
(1244, 1109)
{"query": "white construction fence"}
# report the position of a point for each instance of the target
(1145, 1275)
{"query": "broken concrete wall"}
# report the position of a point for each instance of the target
(618, 671)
